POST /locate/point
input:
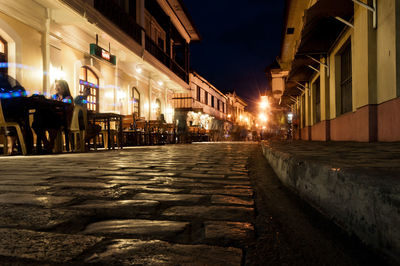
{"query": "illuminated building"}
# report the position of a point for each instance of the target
(134, 55)
(338, 69)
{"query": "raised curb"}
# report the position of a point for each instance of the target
(361, 203)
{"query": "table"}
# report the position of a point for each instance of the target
(22, 106)
(106, 118)
(61, 109)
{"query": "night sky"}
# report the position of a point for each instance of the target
(239, 39)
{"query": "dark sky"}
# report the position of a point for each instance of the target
(239, 39)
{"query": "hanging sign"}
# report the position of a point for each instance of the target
(103, 54)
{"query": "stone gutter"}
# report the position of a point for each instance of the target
(363, 203)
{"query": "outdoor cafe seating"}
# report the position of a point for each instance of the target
(154, 132)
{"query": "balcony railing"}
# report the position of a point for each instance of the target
(157, 52)
(163, 57)
(120, 18)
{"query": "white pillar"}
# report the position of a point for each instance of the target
(46, 53)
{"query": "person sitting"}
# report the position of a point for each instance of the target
(92, 129)
(52, 120)
(12, 96)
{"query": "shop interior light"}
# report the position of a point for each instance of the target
(160, 83)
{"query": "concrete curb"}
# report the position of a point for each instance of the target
(362, 204)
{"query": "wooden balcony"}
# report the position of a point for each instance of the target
(163, 57)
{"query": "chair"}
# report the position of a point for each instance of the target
(113, 134)
(76, 131)
(4, 124)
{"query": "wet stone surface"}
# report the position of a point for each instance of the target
(174, 205)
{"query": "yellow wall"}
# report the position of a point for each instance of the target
(386, 49)
(360, 57)
(31, 54)
(69, 57)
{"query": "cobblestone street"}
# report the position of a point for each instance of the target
(181, 204)
(195, 204)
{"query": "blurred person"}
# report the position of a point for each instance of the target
(52, 119)
(12, 96)
(92, 129)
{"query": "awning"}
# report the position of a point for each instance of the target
(321, 29)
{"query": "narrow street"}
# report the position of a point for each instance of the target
(198, 204)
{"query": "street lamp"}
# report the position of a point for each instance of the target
(264, 104)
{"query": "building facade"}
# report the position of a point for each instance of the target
(204, 108)
(339, 69)
(134, 55)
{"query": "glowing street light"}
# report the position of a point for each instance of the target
(264, 104)
(262, 117)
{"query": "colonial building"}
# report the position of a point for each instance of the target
(134, 55)
(339, 69)
(204, 107)
(236, 109)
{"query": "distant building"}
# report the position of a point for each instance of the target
(236, 109)
(339, 68)
(204, 107)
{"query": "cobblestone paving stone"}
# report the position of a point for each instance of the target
(175, 205)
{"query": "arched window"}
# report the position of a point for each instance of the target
(3, 56)
(135, 98)
(88, 79)
(158, 108)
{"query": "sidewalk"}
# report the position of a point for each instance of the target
(356, 184)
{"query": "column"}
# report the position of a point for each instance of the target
(46, 53)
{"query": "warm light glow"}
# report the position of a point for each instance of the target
(246, 119)
(160, 83)
(229, 116)
(56, 73)
(121, 95)
(109, 94)
(154, 106)
(262, 117)
(264, 127)
(264, 104)
(139, 70)
(146, 105)
(240, 117)
(256, 125)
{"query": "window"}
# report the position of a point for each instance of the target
(198, 93)
(135, 97)
(346, 102)
(223, 107)
(218, 105)
(88, 79)
(206, 97)
(3, 56)
(155, 31)
(317, 100)
(212, 100)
